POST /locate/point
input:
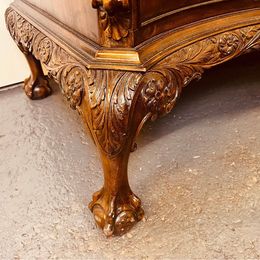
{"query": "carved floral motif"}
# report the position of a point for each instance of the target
(228, 44)
(45, 49)
(73, 82)
(161, 92)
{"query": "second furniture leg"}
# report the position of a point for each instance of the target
(36, 86)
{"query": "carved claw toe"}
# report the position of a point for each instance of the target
(37, 89)
(116, 214)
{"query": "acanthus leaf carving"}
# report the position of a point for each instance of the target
(110, 97)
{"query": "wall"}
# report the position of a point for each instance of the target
(13, 65)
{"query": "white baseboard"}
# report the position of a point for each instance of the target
(10, 86)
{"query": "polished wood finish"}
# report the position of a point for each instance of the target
(75, 14)
(117, 89)
(161, 16)
(36, 86)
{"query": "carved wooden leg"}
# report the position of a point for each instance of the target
(36, 86)
(106, 107)
(115, 106)
(115, 207)
(25, 36)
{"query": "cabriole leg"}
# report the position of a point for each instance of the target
(36, 86)
(106, 107)
(26, 36)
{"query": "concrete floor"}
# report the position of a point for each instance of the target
(197, 172)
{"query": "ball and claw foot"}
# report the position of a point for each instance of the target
(116, 215)
(37, 89)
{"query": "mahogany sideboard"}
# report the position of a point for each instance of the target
(120, 63)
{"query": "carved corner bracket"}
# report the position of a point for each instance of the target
(116, 104)
(114, 19)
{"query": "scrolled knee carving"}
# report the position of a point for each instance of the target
(160, 91)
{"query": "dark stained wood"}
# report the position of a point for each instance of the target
(172, 17)
(117, 89)
(149, 9)
(37, 85)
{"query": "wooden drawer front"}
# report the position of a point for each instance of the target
(158, 16)
(152, 9)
